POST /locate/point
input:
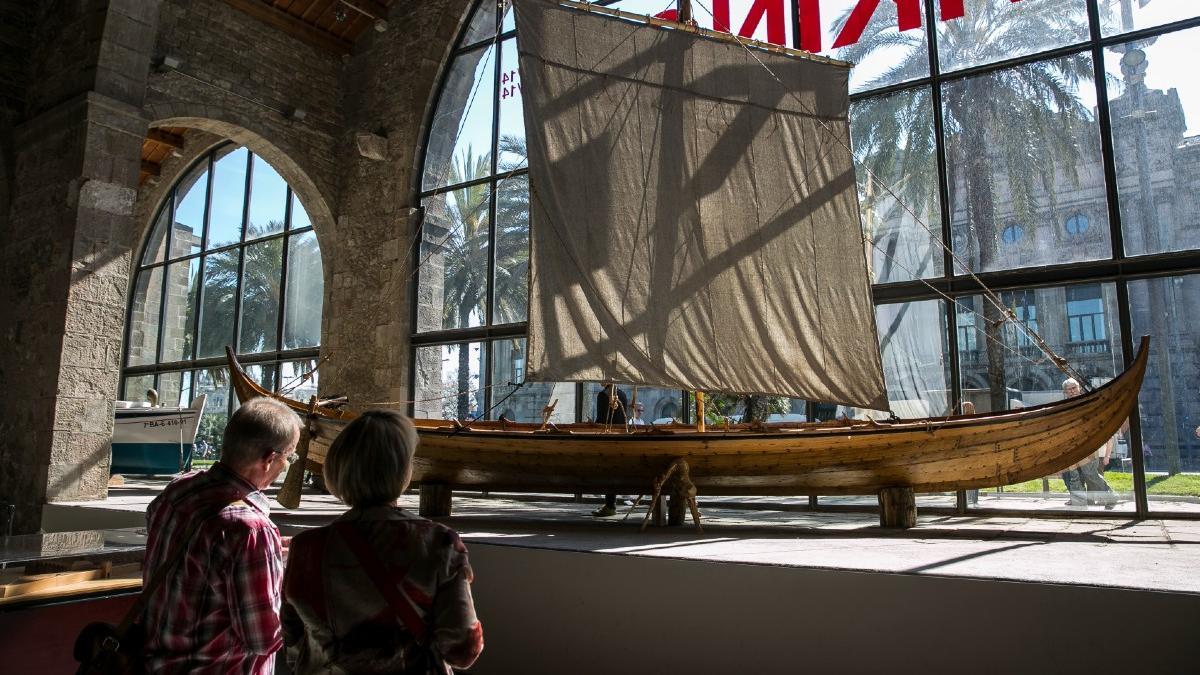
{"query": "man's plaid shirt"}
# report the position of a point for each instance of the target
(218, 612)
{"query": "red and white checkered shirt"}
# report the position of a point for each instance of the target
(218, 611)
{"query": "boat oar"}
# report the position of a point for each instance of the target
(289, 494)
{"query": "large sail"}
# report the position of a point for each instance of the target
(693, 213)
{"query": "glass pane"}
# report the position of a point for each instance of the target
(179, 321)
(512, 251)
(1124, 16)
(218, 303)
(448, 381)
(512, 154)
(916, 370)
(190, 195)
(1169, 404)
(305, 292)
(260, 297)
(299, 214)
(215, 383)
(299, 379)
(462, 128)
(454, 260)
(894, 138)
(912, 339)
(156, 245)
(525, 404)
(1154, 103)
(228, 197)
(175, 389)
(268, 200)
(882, 54)
(135, 388)
(483, 23)
(1003, 369)
(507, 20)
(1023, 153)
(263, 374)
(144, 317)
(995, 30)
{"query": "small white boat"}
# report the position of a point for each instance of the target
(149, 440)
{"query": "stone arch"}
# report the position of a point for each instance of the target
(314, 196)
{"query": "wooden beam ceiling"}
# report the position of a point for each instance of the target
(371, 8)
(165, 137)
(150, 168)
(293, 26)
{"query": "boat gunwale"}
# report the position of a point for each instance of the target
(683, 433)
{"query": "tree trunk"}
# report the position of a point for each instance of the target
(464, 374)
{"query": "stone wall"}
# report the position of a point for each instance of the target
(67, 238)
(390, 82)
(72, 213)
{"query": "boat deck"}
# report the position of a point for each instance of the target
(1107, 552)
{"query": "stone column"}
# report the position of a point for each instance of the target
(64, 265)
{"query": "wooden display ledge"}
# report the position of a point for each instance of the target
(20, 588)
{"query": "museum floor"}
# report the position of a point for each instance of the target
(1116, 553)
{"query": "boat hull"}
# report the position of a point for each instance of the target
(149, 441)
(832, 458)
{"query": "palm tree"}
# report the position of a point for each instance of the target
(466, 248)
(1020, 127)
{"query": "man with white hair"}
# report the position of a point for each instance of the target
(218, 609)
(1085, 479)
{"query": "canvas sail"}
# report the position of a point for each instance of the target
(693, 220)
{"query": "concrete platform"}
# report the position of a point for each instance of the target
(771, 588)
(1159, 555)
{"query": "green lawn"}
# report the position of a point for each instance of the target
(205, 463)
(1159, 484)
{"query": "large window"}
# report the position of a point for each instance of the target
(1051, 145)
(230, 260)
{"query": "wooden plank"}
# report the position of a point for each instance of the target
(165, 137)
(292, 26)
(151, 168)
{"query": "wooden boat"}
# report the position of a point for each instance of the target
(830, 458)
(722, 255)
(154, 440)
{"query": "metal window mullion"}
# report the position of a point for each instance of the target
(286, 254)
(166, 268)
(950, 309)
(237, 298)
(489, 293)
(1136, 449)
(1107, 145)
(204, 227)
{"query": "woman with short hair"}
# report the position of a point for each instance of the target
(379, 590)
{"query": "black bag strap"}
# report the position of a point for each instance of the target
(160, 575)
(378, 574)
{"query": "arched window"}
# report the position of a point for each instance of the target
(473, 262)
(232, 259)
(1012, 233)
(1076, 224)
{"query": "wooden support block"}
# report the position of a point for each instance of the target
(435, 500)
(677, 511)
(658, 517)
(897, 507)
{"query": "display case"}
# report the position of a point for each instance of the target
(64, 565)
